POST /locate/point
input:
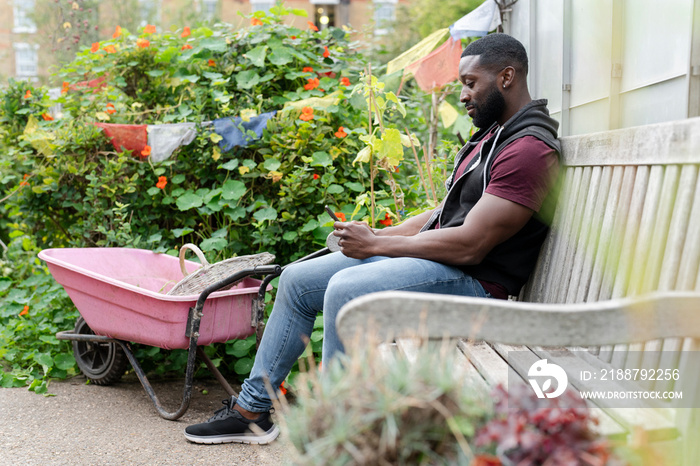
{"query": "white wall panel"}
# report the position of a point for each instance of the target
(547, 53)
(591, 117)
(665, 101)
(591, 45)
(657, 40)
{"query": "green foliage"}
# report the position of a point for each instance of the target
(64, 185)
(370, 410)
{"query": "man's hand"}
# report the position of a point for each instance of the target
(356, 239)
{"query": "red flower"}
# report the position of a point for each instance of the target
(25, 311)
(326, 52)
(117, 32)
(256, 22)
(340, 133)
(149, 29)
(95, 47)
(65, 88)
(293, 37)
(341, 216)
(316, 176)
(387, 220)
(143, 43)
(146, 151)
(344, 81)
(24, 181)
(110, 49)
(211, 62)
(186, 47)
(110, 108)
(28, 94)
(312, 84)
(307, 69)
(283, 389)
(185, 32)
(312, 26)
(307, 113)
(162, 181)
(46, 116)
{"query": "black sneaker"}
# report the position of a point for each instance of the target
(228, 425)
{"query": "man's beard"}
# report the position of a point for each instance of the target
(493, 107)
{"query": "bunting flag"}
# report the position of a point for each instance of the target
(486, 17)
(165, 139)
(126, 137)
(228, 129)
(438, 68)
(417, 52)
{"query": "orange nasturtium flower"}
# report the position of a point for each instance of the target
(341, 216)
(344, 81)
(185, 32)
(95, 47)
(110, 108)
(307, 69)
(46, 116)
(316, 176)
(293, 37)
(24, 181)
(25, 311)
(387, 220)
(149, 29)
(162, 181)
(211, 62)
(312, 26)
(307, 113)
(256, 22)
(340, 133)
(66, 87)
(312, 84)
(283, 389)
(326, 52)
(186, 47)
(28, 94)
(143, 43)
(117, 32)
(146, 151)
(110, 49)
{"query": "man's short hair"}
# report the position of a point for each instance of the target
(497, 51)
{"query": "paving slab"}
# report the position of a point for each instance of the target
(117, 424)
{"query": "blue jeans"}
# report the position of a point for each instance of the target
(327, 283)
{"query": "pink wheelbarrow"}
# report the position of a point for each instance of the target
(120, 294)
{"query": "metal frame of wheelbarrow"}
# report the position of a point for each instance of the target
(192, 332)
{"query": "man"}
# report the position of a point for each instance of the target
(482, 240)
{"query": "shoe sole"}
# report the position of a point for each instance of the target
(253, 439)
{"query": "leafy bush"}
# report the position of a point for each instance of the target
(65, 185)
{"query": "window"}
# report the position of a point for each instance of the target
(149, 12)
(256, 5)
(23, 10)
(209, 9)
(26, 60)
(384, 16)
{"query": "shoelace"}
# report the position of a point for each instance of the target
(222, 413)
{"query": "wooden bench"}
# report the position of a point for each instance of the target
(617, 286)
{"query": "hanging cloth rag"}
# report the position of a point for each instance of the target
(228, 129)
(439, 68)
(416, 52)
(478, 22)
(126, 137)
(165, 139)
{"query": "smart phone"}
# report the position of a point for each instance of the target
(332, 214)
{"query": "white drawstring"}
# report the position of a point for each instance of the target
(488, 158)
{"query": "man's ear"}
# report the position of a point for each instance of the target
(506, 77)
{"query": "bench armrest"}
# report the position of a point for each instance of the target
(394, 314)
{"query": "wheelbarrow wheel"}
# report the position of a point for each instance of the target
(103, 363)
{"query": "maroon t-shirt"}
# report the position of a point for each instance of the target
(522, 173)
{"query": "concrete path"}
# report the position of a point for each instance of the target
(88, 424)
